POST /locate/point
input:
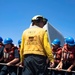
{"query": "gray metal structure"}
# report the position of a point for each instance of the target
(53, 33)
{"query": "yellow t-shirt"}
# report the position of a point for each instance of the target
(35, 41)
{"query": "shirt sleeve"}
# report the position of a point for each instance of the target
(48, 49)
(1, 51)
(22, 48)
(16, 53)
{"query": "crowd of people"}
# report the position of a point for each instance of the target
(35, 54)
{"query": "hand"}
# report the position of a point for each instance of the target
(59, 66)
(21, 66)
(68, 70)
(8, 64)
(51, 64)
(17, 64)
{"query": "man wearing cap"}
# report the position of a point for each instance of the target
(1, 51)
(57, 53)
(68, 55)
(19, 65)
(11, 57)
(35, 48)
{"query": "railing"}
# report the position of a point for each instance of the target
(60, 70)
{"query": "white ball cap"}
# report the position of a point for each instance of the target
(35, 17)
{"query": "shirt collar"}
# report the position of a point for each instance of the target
(34, 26)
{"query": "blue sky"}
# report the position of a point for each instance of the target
(15, 16)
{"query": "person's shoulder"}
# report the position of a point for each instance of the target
(42, 29)
(1, 48)
(25, 30)
(15, 49)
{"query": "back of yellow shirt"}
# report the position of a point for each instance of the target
(33, 42)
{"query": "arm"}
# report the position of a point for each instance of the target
(13, 61)
(69, 69)
(16, 58)
(59, 66)
(1, 53)
(22, 48)
(1, 58)
(48, 49)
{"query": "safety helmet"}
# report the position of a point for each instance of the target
(38, 17)
(1, 39)
(19, 42)
(8, 41)
(69, 41)
(56, 42)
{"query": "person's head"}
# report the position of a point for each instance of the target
(70, 41)
(39, 20)
(56, 43)
(8, 42)
(19, 42)
(1, 39)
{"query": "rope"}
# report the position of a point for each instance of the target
(60, 69)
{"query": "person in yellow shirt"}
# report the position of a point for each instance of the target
(35, 48)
